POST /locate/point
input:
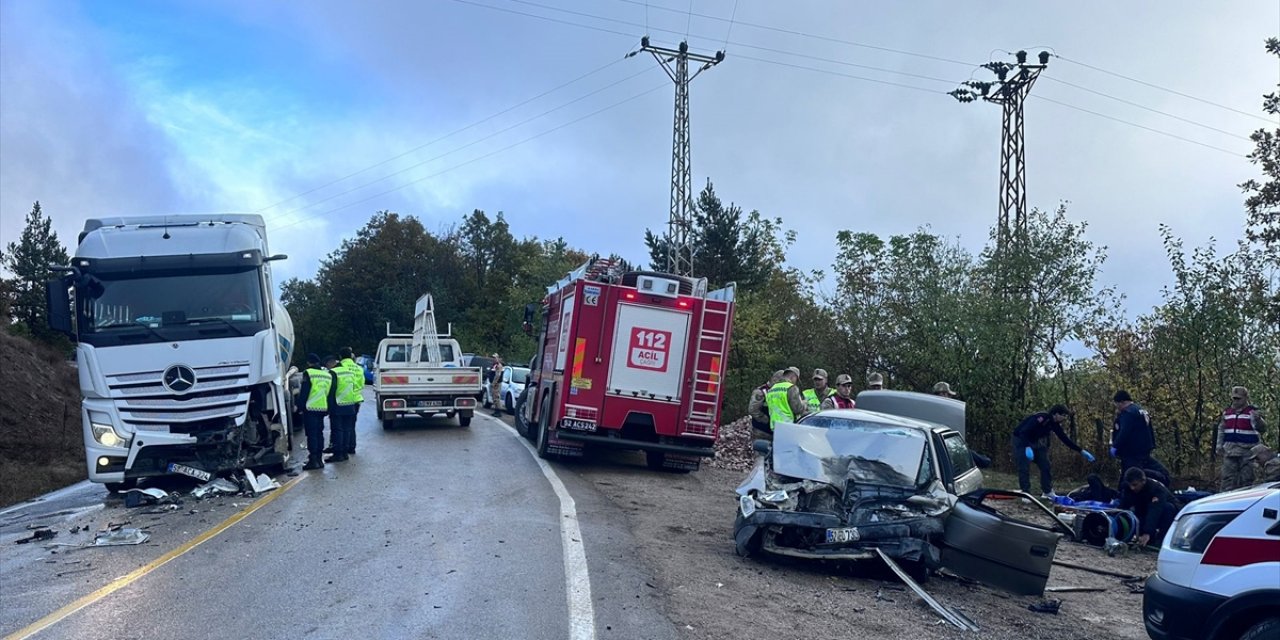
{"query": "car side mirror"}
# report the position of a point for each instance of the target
(762, 447)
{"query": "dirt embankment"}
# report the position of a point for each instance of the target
(41, 446)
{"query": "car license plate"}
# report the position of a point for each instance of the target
(578, 425)
(189, 471)
(842, 536)
(430, 403)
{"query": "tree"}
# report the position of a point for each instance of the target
(1263, 198)
(726, 247)
(29, 260)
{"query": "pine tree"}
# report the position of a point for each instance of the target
(29, 260)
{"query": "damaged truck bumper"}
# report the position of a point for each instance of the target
(151, 453)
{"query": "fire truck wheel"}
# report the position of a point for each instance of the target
(654, 459)
(544, 438)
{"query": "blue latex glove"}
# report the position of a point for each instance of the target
(1087, 456)
(1031, 455)
(1113, 452)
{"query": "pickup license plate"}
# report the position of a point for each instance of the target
(578, 425)
(843, 536)
(189, 471)
(430, 403)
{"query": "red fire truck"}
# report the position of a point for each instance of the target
(630, 360)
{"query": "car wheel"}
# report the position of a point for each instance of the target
(510, 405)
(1269, 628)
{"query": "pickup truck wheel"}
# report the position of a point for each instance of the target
(388, 424)
(464, 421)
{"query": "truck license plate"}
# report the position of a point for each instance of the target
(189, 471)
(430, 403)
(578, 425)
(842, 536)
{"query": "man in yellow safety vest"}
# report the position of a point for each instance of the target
(318, 387)
(785, 402)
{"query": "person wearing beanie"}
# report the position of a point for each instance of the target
(1239, 431)
(318, 388)
(1031, 444)
(1132, 437)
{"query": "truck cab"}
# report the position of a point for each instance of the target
(182, 347)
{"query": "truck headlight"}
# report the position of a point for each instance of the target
(1194, 532)
(104, 433)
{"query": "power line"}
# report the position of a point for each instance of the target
(837, 73)
(1134, 124)
(1166, 89)
(729, 33)
(1134, 104)
(851, 43)
(447, 135)
(482, 157)
(470, 144)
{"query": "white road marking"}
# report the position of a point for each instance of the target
(52, 495)
(577, 583)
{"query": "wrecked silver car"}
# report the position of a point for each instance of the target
(838, 485)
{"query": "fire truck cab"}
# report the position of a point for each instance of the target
(630, 360)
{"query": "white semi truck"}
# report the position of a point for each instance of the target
(182, 346)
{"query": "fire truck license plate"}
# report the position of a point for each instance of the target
(577, 425)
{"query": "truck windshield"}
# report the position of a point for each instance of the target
(130, 308)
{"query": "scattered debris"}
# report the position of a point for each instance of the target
(261, 483)
(1104, 572)
(39, 535)
(1135, 585)
(954, 617)
(139, 497)
(162, 509)
(1046, 606)
(1073, 589)
(214, 487)
(76, 529)
(120, 537)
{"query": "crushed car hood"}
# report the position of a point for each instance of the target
(875, 454)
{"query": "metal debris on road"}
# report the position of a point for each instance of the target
(214, 487)
(121, 537)
(954, 617)
(1073, 589)
(39, 535)
(139, 497)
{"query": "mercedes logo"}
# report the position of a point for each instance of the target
(179, 378)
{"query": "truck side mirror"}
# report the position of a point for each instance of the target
(58, 302)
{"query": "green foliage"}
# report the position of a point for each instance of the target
(29, 260)
(727, 247)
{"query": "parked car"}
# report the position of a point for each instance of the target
(1218, 573)
(514, 380)
(366, 362)
(842, 484)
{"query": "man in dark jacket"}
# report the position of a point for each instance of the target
(1132, 438)
(316, 394)
(1031, 444)
(1151, 502)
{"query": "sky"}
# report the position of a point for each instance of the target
(318, 114)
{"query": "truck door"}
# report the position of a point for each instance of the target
(648, 355)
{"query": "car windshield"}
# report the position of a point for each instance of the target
(160, 304)
(835, 450)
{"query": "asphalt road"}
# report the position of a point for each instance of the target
(429, 531)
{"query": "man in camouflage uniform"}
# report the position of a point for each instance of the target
(495, 386)
(1239, 430)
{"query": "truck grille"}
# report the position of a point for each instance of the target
(145, 403)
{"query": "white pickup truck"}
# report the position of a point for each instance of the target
(421, 374)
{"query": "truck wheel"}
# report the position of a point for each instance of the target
(1268, 628)
(388, 424)
(654, 459)
(464, 421)
(544, 438)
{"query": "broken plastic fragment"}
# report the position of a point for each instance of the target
(260, 483)
(214, 487)
(121, 537)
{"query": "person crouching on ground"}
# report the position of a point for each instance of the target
(1151, 502)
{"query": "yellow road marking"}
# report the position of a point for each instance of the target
(136, 574)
